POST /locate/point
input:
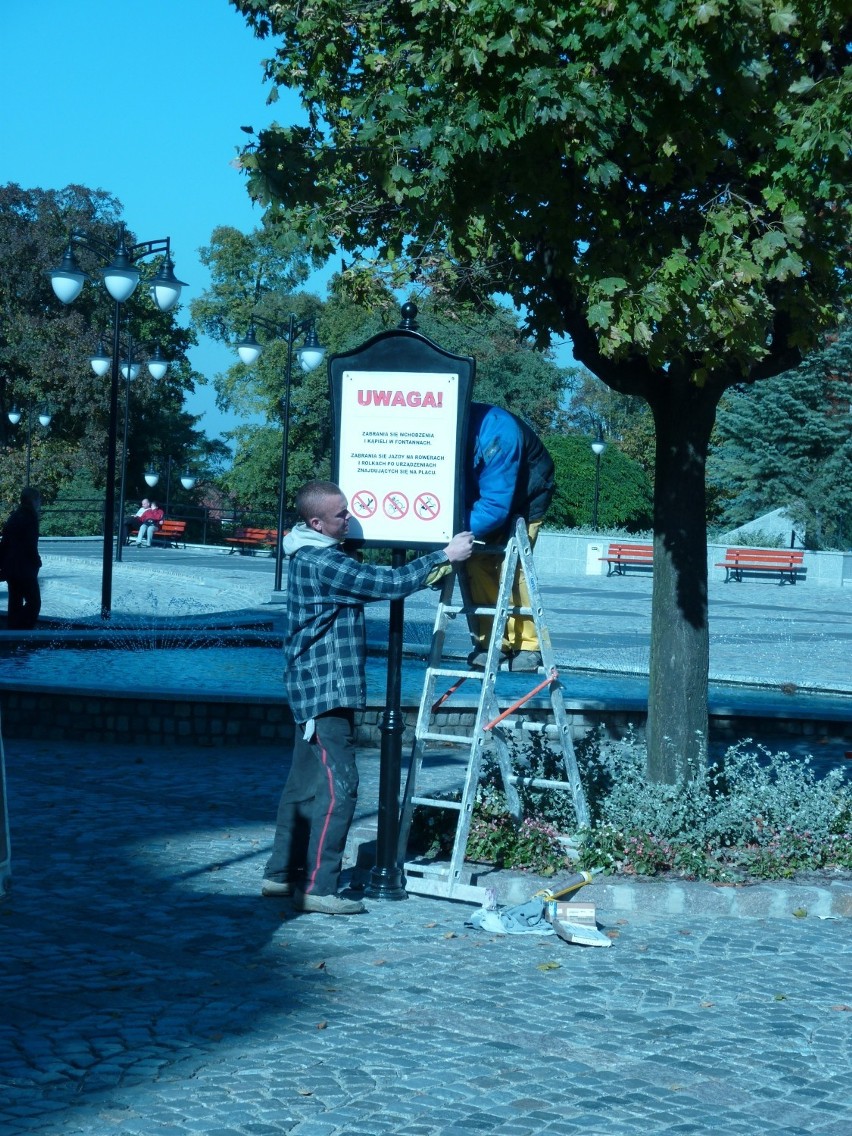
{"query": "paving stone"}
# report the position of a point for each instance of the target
(156, 995)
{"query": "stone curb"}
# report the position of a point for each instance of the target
(623, 897)
(649, 898)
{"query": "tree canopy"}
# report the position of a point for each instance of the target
(258, 276)
(535, 144)
(625, 419)
(625, 492)
(665, 181)
(45, 348)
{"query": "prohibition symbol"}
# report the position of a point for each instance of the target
(395, 506)
(363, 504)
(427, 506)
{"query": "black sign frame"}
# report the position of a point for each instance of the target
(405, 351)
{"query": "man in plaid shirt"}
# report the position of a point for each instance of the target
(325, 677)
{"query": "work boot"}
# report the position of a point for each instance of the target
(477, 659)
(525, 661)
(328, 904)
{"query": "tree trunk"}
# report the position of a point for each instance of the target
(680, 645)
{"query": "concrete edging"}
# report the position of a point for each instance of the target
(621, 897)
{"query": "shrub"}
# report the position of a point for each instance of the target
(756, 815)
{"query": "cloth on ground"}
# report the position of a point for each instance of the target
(522, 919)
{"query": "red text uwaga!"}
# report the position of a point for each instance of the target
(400, 398)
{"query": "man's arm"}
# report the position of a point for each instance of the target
(343, 580)
(496, 482)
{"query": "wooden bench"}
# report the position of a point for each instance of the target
(248, 541)
(788, 562)
(169, 532)
(620, 557)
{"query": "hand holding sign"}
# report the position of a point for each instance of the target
(459, 548)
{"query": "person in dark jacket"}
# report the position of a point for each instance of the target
(20, 561)
(325, 652)
(508, 474)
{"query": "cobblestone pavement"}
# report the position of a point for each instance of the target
(148, 990)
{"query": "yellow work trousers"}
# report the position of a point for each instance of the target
(483, 573)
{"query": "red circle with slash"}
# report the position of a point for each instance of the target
(363, 504)
(395, 506)
(426, 506)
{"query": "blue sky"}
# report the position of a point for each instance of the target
(145, 99)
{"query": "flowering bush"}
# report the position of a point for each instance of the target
(533, 845)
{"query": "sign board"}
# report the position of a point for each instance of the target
(400, 415)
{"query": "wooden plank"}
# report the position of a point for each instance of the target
(580, 934)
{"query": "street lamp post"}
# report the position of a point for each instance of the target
(598, 447)
(187, 479)
(120, 278)
(44, 417)
(157, 367)
(310, 356)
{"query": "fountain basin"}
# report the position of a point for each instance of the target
(219, 687)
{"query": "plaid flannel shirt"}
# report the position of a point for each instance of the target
(326, 646)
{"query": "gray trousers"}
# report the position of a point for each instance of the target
(316, 807)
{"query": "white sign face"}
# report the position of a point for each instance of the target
(398, 454)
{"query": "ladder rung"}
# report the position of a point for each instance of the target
(437, 869)
(494, 611)
(458, 739)
(546, 728)
(446, 672)
(539, 782)
(436, 802)
(426, 879)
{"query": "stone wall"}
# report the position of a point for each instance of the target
(559, 555)
(207, 721)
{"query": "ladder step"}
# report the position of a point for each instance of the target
(510, 610)
(546, 728)
(435, 880)
(456, 739)
(437, 803)
(539, 782)
(446, 672)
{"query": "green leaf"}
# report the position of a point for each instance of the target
(612, 284)
(600, 314)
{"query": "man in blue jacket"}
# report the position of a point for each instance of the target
(508, 473)
(325, 652)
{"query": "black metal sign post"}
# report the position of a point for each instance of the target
(386, 879)
(400, 406)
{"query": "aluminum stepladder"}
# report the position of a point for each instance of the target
(491, 723)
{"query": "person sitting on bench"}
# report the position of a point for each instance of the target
(132, 522)
(149, 522)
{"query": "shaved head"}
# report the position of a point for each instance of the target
(313, 497)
